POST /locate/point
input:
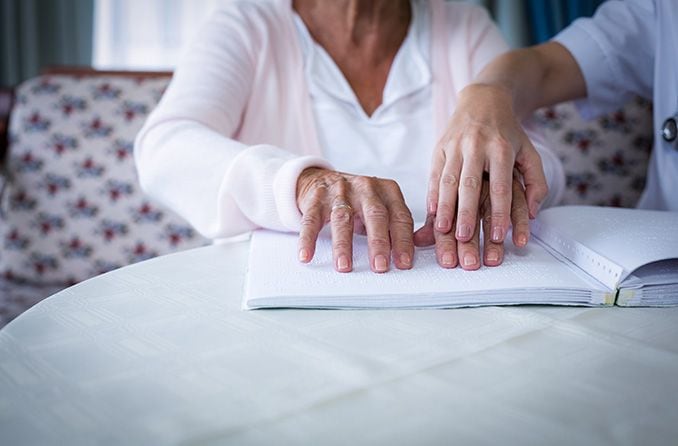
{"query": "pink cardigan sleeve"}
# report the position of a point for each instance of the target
(187, 155)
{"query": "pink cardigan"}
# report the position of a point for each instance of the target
(235, 128)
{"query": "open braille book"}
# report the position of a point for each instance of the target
(578, 255)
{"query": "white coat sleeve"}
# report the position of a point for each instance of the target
(615, 52)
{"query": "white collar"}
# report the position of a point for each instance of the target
(410, 71)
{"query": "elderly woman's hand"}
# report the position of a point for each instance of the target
(484, 135)
(350, 201)
(450, 252)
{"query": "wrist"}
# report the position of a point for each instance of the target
(483, 90)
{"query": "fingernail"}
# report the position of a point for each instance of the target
(470, 260)
(522, 240)
(342, 263)
(304, 255)
(448, 259)
(432, 207)
(405, 259)
(492, 255)
(497, 234)
(464, 231)
(380, 263)
(443, 223)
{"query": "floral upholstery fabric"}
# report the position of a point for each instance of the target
(605, 160)
(72, 205)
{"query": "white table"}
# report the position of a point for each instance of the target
(160, 353)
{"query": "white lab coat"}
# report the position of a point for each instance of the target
(631, 48)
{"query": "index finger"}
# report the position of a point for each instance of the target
(312, 222)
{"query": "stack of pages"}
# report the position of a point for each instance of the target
(578, 255)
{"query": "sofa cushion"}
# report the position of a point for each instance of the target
(72, 207)
(605, 160)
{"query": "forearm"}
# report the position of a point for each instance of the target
(219, 185)
(531, 78)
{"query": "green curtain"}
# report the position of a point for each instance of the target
(37, 33)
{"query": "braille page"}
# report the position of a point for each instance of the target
(530, 275)
(625, 238)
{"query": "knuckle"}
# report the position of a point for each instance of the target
(521, 227)
(402, 216)
(376, 211)
(449, 180)
(319, 192)
(502, 146)
(404, 243)
(379, 243)
(363, 183)
(404, 221)
(499, 217)
(500, 188)
(391, 185)
(310, 219)
(341, 215)
(471, 182)
(444, 209)
(445, 244)
(341, 245)
(471, 139)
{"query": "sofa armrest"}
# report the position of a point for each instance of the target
(84, 71)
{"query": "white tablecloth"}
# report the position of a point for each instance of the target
(160, 353)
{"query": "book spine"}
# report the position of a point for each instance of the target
(600, 267)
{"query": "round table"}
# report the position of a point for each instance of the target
(160, 353)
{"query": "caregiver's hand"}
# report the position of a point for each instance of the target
(484, 135)
(450, 251)
(347, 201)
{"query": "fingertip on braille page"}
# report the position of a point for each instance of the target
(448, 260)
(380, 263)
(492, 256)
(470, 260)
(343, 265)
(522, 240)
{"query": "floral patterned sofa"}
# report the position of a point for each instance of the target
(71, 207)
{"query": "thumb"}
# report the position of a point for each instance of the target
(424, 236)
